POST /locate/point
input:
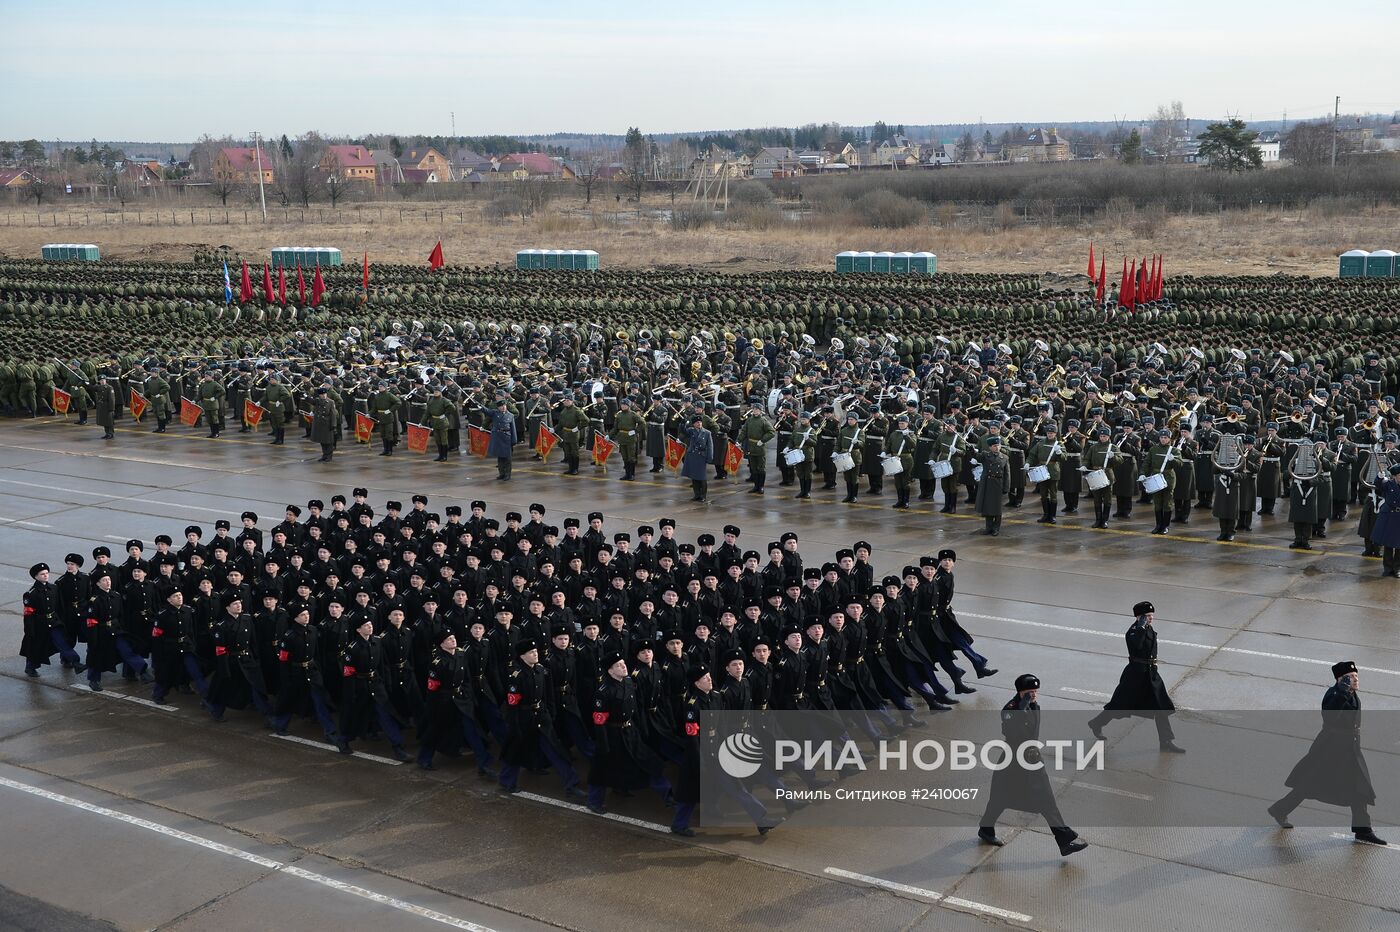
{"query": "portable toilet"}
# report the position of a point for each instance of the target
(863, 262)
(551, 258)
(923, 263)
(588, 259)
(522, 258)
(881, 262)
(899, 263)
(846, 261)
(1352, 263)
(1380, 264)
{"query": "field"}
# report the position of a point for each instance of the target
(1304, 241)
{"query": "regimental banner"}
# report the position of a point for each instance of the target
(478, 440)
(675, 452)
(546, 442)
(418, 438)
(733, 458)
(602, 449)
(62, 401)
(252, 413)
(364, 427)
(189, 412)
(138, 405)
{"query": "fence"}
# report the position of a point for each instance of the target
(229, 216)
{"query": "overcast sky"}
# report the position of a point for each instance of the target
(166, 71)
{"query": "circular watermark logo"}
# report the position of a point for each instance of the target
(740, 755)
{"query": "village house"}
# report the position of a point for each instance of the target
(842, 153)
(776, 162)
(427, 160)
(242, 165)
(1038, 145)
(16, 178)
(898, 150)
(352, 163)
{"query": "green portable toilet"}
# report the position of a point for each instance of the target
(552, 257)
(589, 259)
(864, 261)
(923, 263)
(1380, 264)
(881, 262)
(573, 259)
(535, 259)
(522, 258)
(899, 263)
(89, 253)
(1352, 263)
(846, 261)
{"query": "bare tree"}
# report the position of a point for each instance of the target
(223, 188)
(1166, 124)
(534, 194)
(36, 191)
(590, 169)
(1310, 144)
(336, 188)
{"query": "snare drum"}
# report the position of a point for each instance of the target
(844, 462)
(892, 465)
(1154, 483)
(942, 469)
(1096, 479)
(793, 457)
(1038, 474)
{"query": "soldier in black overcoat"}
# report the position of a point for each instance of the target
(1140, 689)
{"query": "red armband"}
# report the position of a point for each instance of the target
(513, 699)
(434, 684)
(347, 670)
(284, 655)
(157, 632)
(92, 622)
(29, 610)
(220, 650)
(692, 729)
(600, 718)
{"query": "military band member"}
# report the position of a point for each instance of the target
(848, 441)
(1385, 530)
(699, 453)
(1185, 467)
(212, 396)
(384, 408)
(950, 448)
(105, 401)
(570, 424)
(629, 432)
(802, 438)
(754, 435)
(1248, 478)
(991, 488)
(1100, 455)
(1271, 450)
(1047, 452)
(900, 445)
(1303, 501)
(1071, 480)
(1140, 689)
(437, 413)
(323, 426)
(279, 404)
(1158, 461)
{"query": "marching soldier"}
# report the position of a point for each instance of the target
(629, 430)
(530, 721)
(1100, 456)
(948, 449)
(1184, 466)
(323, 418)
(1157, 463)
(992, 486)
(1271, 450)
(827, 436)
(1385, 530)
(1140, 689)
(211, 398)
(754, 435)
(384, 408)
(105, 401)
(570, 425)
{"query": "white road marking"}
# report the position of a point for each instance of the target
(25, 523)
(1349, 837)
(109, 694)
(1086, 692)
(954, 901)
(575, 807)
(1114, 634)
(117, 498)
(331, 747)
(332, 883)
(1109, 789)
(115, 537)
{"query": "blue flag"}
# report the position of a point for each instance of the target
(228, 286)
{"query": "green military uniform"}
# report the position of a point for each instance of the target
(211, 399)
(158, 396)
(803, 437)
(278, 402)
(900, 444)
(537, 415)
(384, 408)
(437, 413)
(9, 387)
(1046, 452)
(991, 488)
(848, 440)
(628, 430)
(753, 438)
(826, 446)
(43, 387)
(1099, 455)
(106, 403)
(569, 425)
(25, 379)
(949, 448)
(1158, 460)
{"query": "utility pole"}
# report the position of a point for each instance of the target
(1336, 112)
(453, 115)
(257, 166)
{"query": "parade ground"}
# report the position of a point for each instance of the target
(117, 812)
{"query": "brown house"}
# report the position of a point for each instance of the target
(15, 178)
(428, 160)
(1039, 145)
(353, 163)
(242, 165)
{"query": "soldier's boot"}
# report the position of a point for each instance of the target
(573, 466)
(925, 490)
(213, 432)
(758, 482)
(719, 472)
(1227, 530)
(1100, 513)
(805, 487)
(326, 450)
(852, 486)
(1047, 511)
(1071, 503)
(1370, 550)
(1266, 506)
(505, 469)
(454, 440)
(989, 522)
(388, 447)
(1319, 531)
(1161, 525)
(442, 453)
(1339, 510)
(657, 464)
(1246, 520)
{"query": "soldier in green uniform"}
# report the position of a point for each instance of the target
(323, 418)
(927, 438)
(900, 443)
(537, 415)
(754, 435)
(43, 387)
(628, 431)
(1158, 460)
(278, 402)
(848, 441)
(437, 412)
(25, 379)
(875, 431)
(384, 408)
(157, 389)
(1018, 442)
(570, 424)
(211, 399)
(826, 445)
(950, 449)
(991, 488)
(81, 401)
(1184, 489)
(1100, 455)
(1047, 453)
(9, 387)
(1326, 465)
(802, 437)
(106, 403)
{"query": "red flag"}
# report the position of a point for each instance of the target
(733, 458)
(189, 411)
(138, 405)
(252, 413)
(1142, 290)
(545, 442)
(318, 288)
(267, 284)
(477, 440)
(245, 290)
(1161, 278)
(364, 426)
(365, 297)
(435, 260)
(1131, 286)
(675, 452)
(301, 286)
(602, 449)
(282, 285)
(1103, 281)
(1091, 261)
(1123, 285)
(61, 401)
(418, 438)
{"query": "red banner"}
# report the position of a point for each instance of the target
(62, 401)
(418, 438)
(733, 458)
(675, 452)
(477, 440)
(252, 413)
(602, 449)
(189, 412)
(138, 405)
(364, 427)
(545, 442)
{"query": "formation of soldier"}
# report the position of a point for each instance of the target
(977, 429)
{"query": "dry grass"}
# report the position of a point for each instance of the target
(1239, 242)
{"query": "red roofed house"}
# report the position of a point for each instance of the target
(353, 163)
(239, 164)
(15, 178)
(419, 176)
(522, 165)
